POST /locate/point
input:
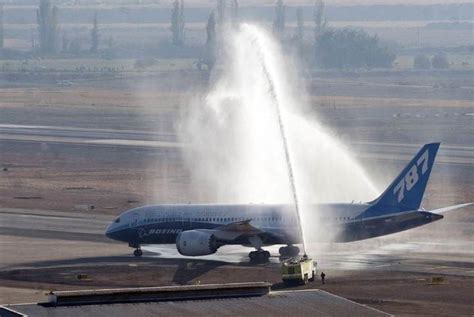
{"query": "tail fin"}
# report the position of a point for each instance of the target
(406, 191)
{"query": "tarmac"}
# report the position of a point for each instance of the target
(374, 272)
(428, 270)
(449, 154)
(45, 249)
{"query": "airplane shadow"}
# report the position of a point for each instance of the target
(187, 270)
(87, 261)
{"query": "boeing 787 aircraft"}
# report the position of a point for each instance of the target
(199, 230)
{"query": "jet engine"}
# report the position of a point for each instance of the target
(196, 243)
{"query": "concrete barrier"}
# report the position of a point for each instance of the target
(148, 294)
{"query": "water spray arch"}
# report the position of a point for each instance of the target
(235, 140)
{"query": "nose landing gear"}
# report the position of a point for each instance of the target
(138, 252)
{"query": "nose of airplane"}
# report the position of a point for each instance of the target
(115, 233)
(108, 231)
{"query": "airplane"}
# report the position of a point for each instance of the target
(201, 229)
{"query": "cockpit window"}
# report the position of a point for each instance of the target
(117, 220)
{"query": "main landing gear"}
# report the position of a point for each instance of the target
(289, 251)
(259, 256)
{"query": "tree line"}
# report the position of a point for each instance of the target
(49, 31)
(332, 48)
(329, 47)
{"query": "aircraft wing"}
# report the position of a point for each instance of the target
(449, 208)
(239, 226)
(236, 230)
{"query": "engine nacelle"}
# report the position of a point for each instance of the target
(196, 243)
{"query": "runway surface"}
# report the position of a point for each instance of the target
(381, 255)
(54, 225)
(448, 154)
(44, 250)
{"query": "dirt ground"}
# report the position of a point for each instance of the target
(402, 293)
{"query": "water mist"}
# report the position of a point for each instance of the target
(234, 143)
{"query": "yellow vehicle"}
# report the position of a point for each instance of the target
(298, 270)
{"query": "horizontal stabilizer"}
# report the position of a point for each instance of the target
(446, 209)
